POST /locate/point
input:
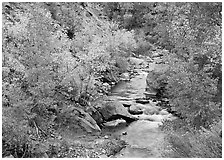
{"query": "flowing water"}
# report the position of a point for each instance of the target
(144, 137)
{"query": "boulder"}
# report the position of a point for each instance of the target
(126, 103)
(135, 110)
(114, 123)
(164, 112)
(147, 109)
(150, 94)
(112, 110)
(77, 119)
(142, 101)
(95, 114)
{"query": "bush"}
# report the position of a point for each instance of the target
(186, 142)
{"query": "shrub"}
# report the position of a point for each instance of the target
(186, 142)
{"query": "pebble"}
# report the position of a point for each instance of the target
(106, 137)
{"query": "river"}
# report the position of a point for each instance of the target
(143, 137)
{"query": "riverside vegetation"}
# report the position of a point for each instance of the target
(60, 61)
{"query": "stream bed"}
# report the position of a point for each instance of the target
(143, 137)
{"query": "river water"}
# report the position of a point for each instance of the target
(143, 137)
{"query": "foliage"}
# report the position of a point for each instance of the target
(52, 56)
(189, 143)
(57, 54)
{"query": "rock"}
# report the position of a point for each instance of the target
(135, 110)
(125, 76)
(106, 137)
(114, 123)
(147, 109)
(126, 103)
(112, 110)
(124, 98)
(164, 112)
(142, 101)
(95, 114)
(150, 94)
(78, 119)
(87, 125)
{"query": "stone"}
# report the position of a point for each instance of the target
(95, 114)
(106, 137)
(87, 125)
(135, 110)
(87, 121)
(126, 103)
(164, 112)
(112, 110)
(150, 94)
(114, 123)
(78, 119)
(148, 109)
(142, 101)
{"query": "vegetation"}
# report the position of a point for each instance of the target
(60, 54)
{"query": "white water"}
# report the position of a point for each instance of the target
(144, 137)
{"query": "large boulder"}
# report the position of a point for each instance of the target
(147, 109)
(114, 123)
(78, 120)
(133, 109)
(112, 110)
(164, 112)
(96, 115)
(126, 103)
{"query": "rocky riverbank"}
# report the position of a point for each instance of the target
(132, 99)
(113, 125)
